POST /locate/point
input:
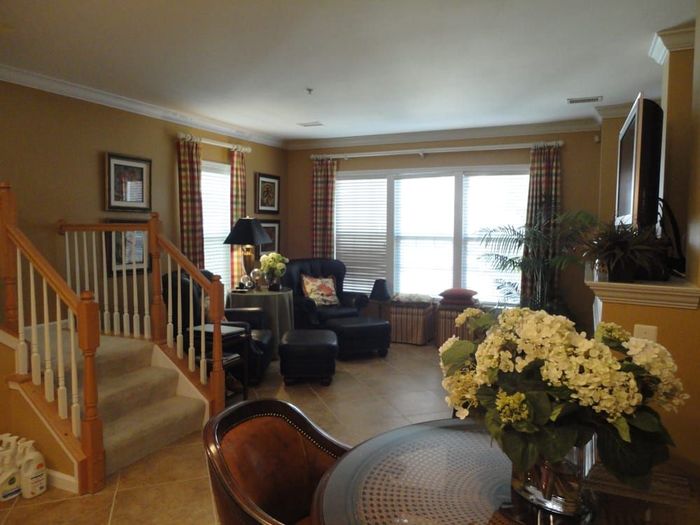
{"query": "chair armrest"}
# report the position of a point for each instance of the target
(238, 324)
(356, 299)
(253, 315)
(305, 305)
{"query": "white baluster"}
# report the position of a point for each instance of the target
(135, 289)
(180, 338)
(36, 358)
(146, 301)
(22, 358)
(48, 364)
(62, 392)
(190, 348)
(125, 315)
(202, 341)
(169, 327)
(77, 263)
(86, 266)
(115, 283)
(74, 388)
(69, 270)
(95, 283)
(107, 320)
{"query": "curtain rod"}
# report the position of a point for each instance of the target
(212, 142)
(426, 151)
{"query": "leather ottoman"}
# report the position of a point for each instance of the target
(308, 354)
(361, 335)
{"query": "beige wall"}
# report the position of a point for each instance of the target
(53, 154)
(580, 168)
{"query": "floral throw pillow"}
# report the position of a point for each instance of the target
(320, 290)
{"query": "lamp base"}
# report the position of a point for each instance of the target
(248, 253)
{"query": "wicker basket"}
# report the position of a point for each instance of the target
(412, 323)
(445, 325)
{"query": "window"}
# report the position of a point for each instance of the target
(421, 230)
(423, 234)
(360, 230)
(216, 219)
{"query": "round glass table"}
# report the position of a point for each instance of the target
(451, 472)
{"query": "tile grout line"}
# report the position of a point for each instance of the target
(114, 499)
(9, 511)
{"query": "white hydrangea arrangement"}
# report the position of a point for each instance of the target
(273, 263)
(543, 388)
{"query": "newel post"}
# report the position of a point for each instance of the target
(216, 378)
(8, 257)
(157, 304)
(91, 427)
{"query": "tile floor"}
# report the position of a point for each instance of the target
(367, 396)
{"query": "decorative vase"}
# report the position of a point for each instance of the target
(273, 282)
(558, 487)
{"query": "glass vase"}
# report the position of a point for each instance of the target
(273, 282)
(558, 487)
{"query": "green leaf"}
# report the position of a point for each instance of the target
(486, 396)
(458, 353)
(556, 411)
(646, 421)
(525, 426)
(521, 450)
(555, 442)
(622, 428)
(492, 375)
(541, 406)
(493, 424)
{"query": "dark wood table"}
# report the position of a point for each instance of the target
(449, 472)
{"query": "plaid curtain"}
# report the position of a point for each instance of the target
(322, 244)
(543, 205)
(189, 170)
(238, 197)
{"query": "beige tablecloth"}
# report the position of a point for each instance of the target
(278, 307)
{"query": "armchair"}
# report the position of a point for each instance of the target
(306, 313)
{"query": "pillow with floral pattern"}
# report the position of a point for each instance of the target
(320, 290)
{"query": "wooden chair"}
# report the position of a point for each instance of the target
(265, 460)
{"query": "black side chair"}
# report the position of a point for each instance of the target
(252, 319)
(306, 313)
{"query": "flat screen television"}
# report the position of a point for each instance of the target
(639, 165)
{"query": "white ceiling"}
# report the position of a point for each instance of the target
(376, 67)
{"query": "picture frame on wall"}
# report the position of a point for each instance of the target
(128, 183)
(272, 227)
(128, 247)
(267, 193)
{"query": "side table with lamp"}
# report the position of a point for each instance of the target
(248, 233)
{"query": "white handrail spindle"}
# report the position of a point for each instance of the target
(134, 288)
(180, 338)
(74, 389)
(22, 356)
(86, 266)
(62, 392)
(107, 320)
(202, 340)
(146, 302)
(125, 315)
(69, 270)
(115, 284)
(77, 263)
(190, 348)
(36, 358)
(48, 365)
(95, 282)
(169, 327)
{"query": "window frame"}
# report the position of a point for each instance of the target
(222, 169)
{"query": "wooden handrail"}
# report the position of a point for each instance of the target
(187, 265)
(59, 285)
(8, 261)
(103, 227)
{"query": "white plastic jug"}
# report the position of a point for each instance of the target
(10, 486)
(32, 472)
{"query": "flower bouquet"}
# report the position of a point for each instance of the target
(543, 389)
(273, 265)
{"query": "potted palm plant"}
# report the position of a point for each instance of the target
(624, 251)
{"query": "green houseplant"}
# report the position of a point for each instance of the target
(623, 250)
(542, 388)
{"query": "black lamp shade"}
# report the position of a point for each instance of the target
(248, 231)
(380, 291)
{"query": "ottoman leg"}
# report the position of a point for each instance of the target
(289, 381)
(383, 352)
(326, 381)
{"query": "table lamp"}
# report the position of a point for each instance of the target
(248, 233)
(380, 291)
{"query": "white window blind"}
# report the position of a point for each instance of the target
(216, 218)
(489, 201)
(423, 234)
(360, 230)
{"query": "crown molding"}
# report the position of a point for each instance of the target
(563, 126)
(676, 39)
(613, 110)
(676, 293)
(104, 98)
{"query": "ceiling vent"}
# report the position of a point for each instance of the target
(584, 100)
(312, 124)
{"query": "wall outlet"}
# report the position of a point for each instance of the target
(645, 331)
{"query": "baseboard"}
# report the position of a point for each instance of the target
(63, 481)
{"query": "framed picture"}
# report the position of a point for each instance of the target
(273, 230)
(267, 193)
(130, 247)
(128, 183)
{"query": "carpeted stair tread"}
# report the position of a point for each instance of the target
(149, 428)
(119, 395)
